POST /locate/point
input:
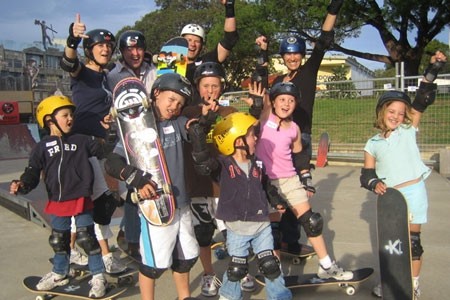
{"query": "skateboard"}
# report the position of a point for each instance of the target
(306, 252)
(311, 280)
(173, 57)
(125, 277)
(75, 288)
(394, 246)
(322, 151)
(123, 246)
(139, 135)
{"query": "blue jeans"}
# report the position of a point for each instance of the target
(61, 261)
(238, 245)
(131, 220)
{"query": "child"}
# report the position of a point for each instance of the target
(64, 160)
(173, 246)
(243, 204)
(278, 148)
(392, 158)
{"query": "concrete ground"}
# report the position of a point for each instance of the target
(349, 231)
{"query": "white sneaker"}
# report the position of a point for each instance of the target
(112, 265)
(416, 289)
(376, 291)
(335, 272)
(248, 283)
(76, 257)
(50, 281)
(210, 284)
(98, 286)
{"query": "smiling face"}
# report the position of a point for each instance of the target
(284, 105)
(195, 45)
(133, 57)
(168, 104)
(210, 88)
(394, 115)
(102, 53)
(292, 61)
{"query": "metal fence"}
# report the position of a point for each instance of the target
(346, 110)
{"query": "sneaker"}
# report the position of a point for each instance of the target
(210, 285)
(113, 265)
(335, 272)
(76, 257)
(376, 291)
(248, 283)
(98, 286)
(50, 281)
(416, 289)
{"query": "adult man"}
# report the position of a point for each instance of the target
(132, 46)
(195, 35)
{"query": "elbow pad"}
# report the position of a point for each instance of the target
(69, 64)
(425, 96)
(301, 161)
(369, 179)
(230, 39)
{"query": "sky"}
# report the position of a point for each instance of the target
(17, 19)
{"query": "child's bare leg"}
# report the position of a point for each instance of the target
(205, 258)
(147, 287)
(182, 284)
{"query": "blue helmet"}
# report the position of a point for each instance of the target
(293, 44)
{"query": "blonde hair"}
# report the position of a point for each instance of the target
(379, 122)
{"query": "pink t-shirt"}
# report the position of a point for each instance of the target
(274, 148)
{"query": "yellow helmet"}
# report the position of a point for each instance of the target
(227, 130)
(49, 105)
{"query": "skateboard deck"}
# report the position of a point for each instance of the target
(322, 151)
(311, 280)
(73, 289)
(173, 57)
(139, 135)
(306, 252)
(394, 246)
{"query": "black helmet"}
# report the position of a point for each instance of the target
(284, 88)
(209, 69)
(132, 38)
(293, 44)
(173, 82)
(97, 36)
(391, 96)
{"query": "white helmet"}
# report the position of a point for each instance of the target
(194, 29)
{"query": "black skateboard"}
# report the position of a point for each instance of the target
(311, 280)
(306, 252)
(394, 246)
(75, 288)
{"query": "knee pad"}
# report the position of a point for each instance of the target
(269, 264)
(416, 246)
(237, 268)
(183, 265)
(104, 207)
(312, 223)
(204, 233)
(87, 241)
(60, 241)
(153, 273)
(276, 233)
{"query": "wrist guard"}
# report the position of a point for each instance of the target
(334, 7)
(274, 197)
(369, 179)
(136, 177)
(263, 57)
(207, 121)
(432, 70)
(256, 109)
(229, 9)
(306, 180)
(72, 41)
(425, 96)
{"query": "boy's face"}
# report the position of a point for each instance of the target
(133, 57)
(284, 105)
(64, 118)
(250, 139)
(210, 88)
(169, 104)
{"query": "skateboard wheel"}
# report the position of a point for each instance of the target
(155, 59)
(296, 261)
(350, 290)
(135, 197)
(128, 280)
(145, 103)
(166, 188)
(112, 286)
(113, 112)
(220, 253)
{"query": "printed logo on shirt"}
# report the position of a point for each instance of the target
(54, 148)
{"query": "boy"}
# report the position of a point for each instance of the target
(173, 246)
(64, 160)
(243, 204)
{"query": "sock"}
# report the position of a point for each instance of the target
(325, 262)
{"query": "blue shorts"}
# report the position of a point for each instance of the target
(417, 199)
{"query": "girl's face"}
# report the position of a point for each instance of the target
(394, 114)
(210, 88)
(284, 106)
(169, 104)
(64, 118)
(250, 139)
(102, 53)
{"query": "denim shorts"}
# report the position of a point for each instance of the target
(417, 199)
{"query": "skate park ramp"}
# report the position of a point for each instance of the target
(17, 141)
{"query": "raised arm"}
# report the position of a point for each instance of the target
(230, 37)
